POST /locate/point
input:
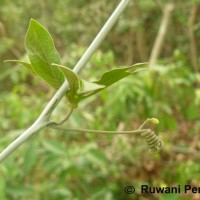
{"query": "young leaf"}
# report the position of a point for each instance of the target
(28, 66)
(113, 76)
(78, 88)
(73, 80)
(42, 53)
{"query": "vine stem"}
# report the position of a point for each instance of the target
(43, 119)
(138, 131)
(143, 124)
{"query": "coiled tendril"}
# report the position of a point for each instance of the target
(155, 143)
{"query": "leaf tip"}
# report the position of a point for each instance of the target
(32, 20)
(144, 64)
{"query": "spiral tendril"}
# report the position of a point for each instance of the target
(155, 143)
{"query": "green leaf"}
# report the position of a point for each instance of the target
(73, 80)
(78, 88)
(28, 66)
(42, 53)
(113, 76)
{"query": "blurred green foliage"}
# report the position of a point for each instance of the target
(56, 165)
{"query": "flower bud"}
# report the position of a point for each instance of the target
(154, 121)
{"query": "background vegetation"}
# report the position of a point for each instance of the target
(59, 165)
